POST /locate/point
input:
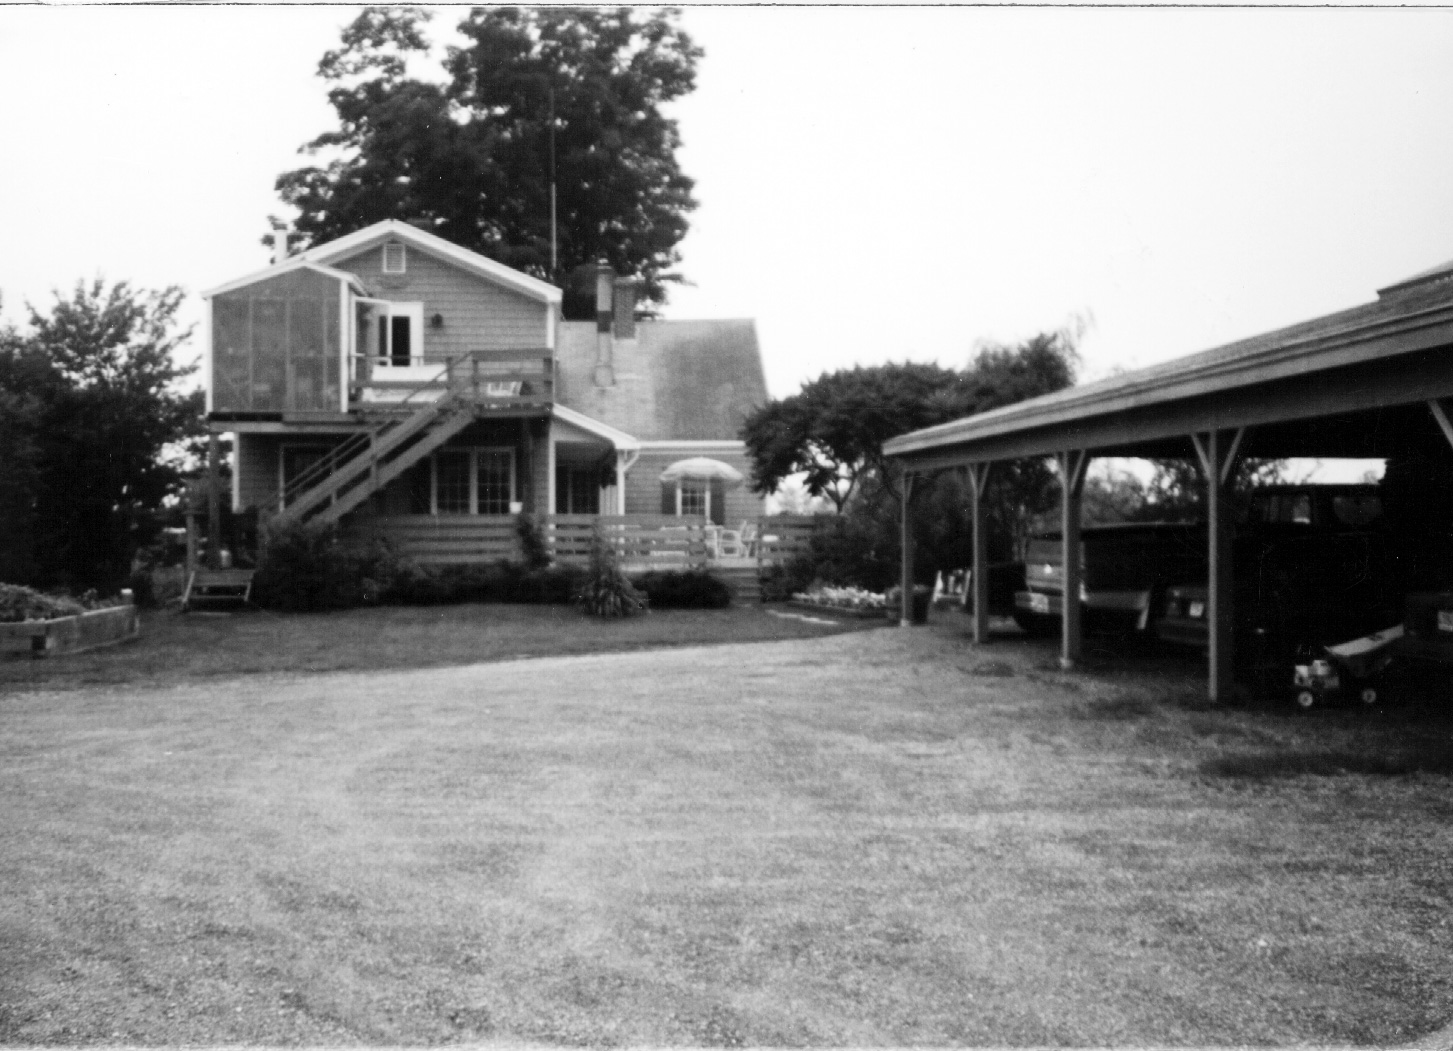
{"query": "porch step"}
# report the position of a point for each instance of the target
(229, 587)
(741, 581)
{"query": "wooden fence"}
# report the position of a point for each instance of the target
(640, 541)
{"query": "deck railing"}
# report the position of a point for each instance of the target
(499, 379)
(641, 542)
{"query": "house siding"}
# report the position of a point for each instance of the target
(476, 314)
(643, 485)
(256, 466)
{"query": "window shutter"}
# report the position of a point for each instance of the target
(718, 502)
(668, 498)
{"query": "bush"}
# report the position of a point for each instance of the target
(308, 567)
(501, 581)
(607, 591)
(690, 590)
(781, 582)
(19, 603)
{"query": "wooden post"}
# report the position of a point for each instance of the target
(1072, 464)
(1217, 451)
(979, 581)
(214, 503)
(191, 537)
(906, 612)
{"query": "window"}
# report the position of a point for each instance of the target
(494, 471)
(395, 258)
(695, 498)
(577, 490)
(468, 482)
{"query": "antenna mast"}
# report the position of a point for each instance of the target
(554, 254)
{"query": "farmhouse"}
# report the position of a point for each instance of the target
(1372, 381)
(407, 387)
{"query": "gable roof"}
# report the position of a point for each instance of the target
(393, 230)
(682, 380)
(286, 266)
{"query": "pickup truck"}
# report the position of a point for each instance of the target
(1124, 571)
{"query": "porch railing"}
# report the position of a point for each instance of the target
(641, 542)
(489, 378)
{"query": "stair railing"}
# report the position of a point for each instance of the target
(346, 451)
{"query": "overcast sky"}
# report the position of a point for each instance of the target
(875, 184)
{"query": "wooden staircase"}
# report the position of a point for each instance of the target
(742, 581)
(369, 461)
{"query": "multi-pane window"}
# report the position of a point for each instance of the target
(693, 498)
(451, 483)
(467, 482)
(494, 472)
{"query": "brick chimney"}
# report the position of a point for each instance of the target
(604, 286)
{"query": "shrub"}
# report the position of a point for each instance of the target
(19, 603)
(690, 590)
(607, 591)
(308, 567)
(501, 581)
(780, 582)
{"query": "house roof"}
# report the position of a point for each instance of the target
(287, 266)
(1408, 317)
(393, 230)
(683, 380)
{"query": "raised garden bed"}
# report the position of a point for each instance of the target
(72, 634)
(846, 612)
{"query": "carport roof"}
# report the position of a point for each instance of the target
(1381, 356)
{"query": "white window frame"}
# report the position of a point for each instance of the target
(403, 257)
(387, 310)
(473, 452)
(706, 496)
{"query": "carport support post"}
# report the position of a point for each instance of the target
(906, 609)
(1217, 451)
(978, 482)
(1072, 466)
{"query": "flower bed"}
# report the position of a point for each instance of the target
(44, 624)
(843, 602)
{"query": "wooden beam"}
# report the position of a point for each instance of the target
(906, 583)
(1411, 380)
(1220, 452)
(978, 475)
(1072, 465)
(1441, 415)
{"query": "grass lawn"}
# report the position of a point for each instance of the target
(176, 647)
(878, 837)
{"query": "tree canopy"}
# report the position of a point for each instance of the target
(94, 426)
(832, 431)
(470, 159)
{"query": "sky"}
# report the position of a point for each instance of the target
(875, 184)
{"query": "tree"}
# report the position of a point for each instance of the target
(831, 434)
(103, 424)
(470, 159)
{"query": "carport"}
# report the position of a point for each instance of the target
(1372, 381)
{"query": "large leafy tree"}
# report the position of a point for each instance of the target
(102, 427)
(470, 159)
(831, 435)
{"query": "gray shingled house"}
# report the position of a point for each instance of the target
(399, 384)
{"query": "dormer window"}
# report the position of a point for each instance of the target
(395, 258)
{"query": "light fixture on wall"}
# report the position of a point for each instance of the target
(437, 321)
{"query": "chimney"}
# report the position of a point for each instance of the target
(279, 244)
(625, 308)
(604, 280)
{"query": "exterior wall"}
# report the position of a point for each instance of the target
(643, 485)
(256, 465)
(476, 314)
